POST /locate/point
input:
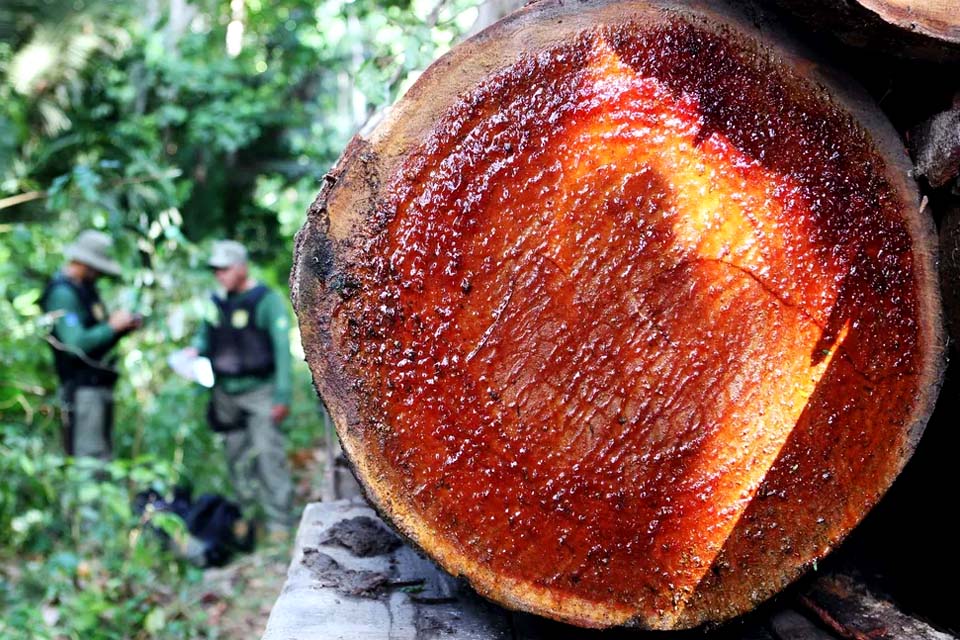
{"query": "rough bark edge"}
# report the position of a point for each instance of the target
(850, 609)
(325, 248)
(950, 272)
(935, 144)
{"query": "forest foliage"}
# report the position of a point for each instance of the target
(167, 123)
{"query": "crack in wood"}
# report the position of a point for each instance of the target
(497, 315)
(787, 303)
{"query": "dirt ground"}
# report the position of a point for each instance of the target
(239, 596)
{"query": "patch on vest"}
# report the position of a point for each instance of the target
(99, 313)
(239, 319)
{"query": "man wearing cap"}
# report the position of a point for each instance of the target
(246, 337)
(83, 337)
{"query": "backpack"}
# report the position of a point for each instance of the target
(216, 526)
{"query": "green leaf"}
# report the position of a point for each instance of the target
(27, 465)
(26, 303)
(169, 523)
(155, 621)
(88, 493)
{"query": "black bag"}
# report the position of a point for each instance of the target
(221, 427)
(219, 524)
(213, 521)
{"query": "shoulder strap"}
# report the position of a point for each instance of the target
(256, 295)
(57, 281)
(222, 306)
(254, 298)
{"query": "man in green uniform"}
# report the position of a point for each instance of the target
(246, 337)
(83, 337)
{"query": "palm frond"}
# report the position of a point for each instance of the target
(53, 119)
(32, 63)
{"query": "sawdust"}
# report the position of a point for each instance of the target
(328, 573)
(363, 536)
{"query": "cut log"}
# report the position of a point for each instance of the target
(627, 312)
(936, 148)
(853, 611)
(790, 625)
(935, 18)
(950, 272)
(922, 29)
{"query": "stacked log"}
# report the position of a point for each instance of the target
(628, 312)
(921, 29)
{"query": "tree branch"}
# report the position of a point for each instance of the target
(21, 198)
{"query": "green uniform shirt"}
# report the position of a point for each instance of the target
(69, 327)
(271, 316)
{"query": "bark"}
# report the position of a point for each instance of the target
(924, 29)
(935, 145)
(847, 606)
(950, 272)
(627, 312)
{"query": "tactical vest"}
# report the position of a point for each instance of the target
(70, 367)
(237, 346)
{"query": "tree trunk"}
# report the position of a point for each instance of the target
(923, 29)
(627, 312)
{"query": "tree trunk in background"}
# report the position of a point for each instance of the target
(181, 14)
(492, 10)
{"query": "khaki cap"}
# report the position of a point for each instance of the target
(226, 253)
(94, 249)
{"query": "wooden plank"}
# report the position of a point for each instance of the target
(530, 627)
(331, 593)
(846, 605)
(389, 591)
(792, 625)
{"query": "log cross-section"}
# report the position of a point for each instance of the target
(625, 313)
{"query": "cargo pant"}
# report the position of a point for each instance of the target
(256, 458)
(87, 420)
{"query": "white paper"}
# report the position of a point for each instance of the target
(191, 367)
